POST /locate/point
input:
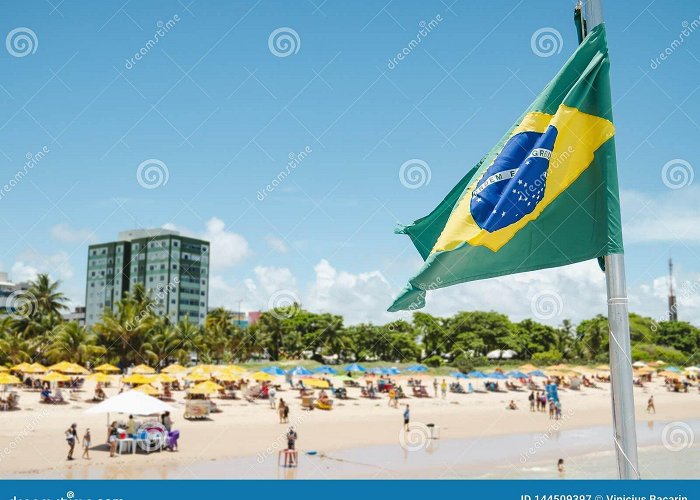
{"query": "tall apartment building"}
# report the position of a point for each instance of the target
(173, 269)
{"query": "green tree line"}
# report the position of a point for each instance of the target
(133, 333)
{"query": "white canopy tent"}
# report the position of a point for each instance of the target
(499, 354)
(133, 402)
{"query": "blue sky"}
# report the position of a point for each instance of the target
(214, 104)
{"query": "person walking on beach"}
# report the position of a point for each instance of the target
(392, 394)
(166, 421)
(291, 438)
(86, 444)
(435, 386)
(71, 439)
(113, 434)
(650, 405)
(531, 398)
(560, 466)
(271, 395)
(280, 410)
(443, 388)
(406, 418)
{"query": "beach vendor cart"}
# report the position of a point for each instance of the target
(197, 408)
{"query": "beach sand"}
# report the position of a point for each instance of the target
(32, 442)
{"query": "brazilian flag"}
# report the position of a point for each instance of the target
(545, 196)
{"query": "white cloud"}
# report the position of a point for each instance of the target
(668, 217)
(29, 263)
(276, 244)
(227, 248)
(63, 232)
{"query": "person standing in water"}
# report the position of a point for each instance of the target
(406, 418)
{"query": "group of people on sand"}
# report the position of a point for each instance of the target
(72, 439)
(538, 401)
(113, 432)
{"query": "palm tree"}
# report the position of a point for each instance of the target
(123, 332)
(72, 342)
(45, 294)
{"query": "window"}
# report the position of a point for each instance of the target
(150, 280)
(175, 267)
(173, 301)
(176, 243)
(202, 294)
(162, 266)
(204, 282)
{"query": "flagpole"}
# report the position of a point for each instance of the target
(624, 427)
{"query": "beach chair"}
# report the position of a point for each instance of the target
(420, 392)
(171, 443)
(324, 405)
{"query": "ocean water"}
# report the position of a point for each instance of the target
(667, 450)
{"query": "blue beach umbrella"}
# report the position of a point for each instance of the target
(458, 375)
(476, 374)
(393, 370)
(496, 376)
(673, 369)
(377, 371)
(517, 374)
(355, 368)
(299, 371)
(537, 373)
(417, 368)
(326, 369)
(273, 370)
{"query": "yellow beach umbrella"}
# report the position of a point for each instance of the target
(99, 377)
(4, 369)
(174, 368)
(57, 367)
(35, 368)
(137, 378)
(223, 376)
(147, 389)
(106, 367)
(233, 368)
(197, 377)
(143, 369)
(262, 376)
(7, 379)
(207, 387)
(20, 367)
(603, 368)
(74, 369)
(164, 378)
(55, 377)
(314, 382)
